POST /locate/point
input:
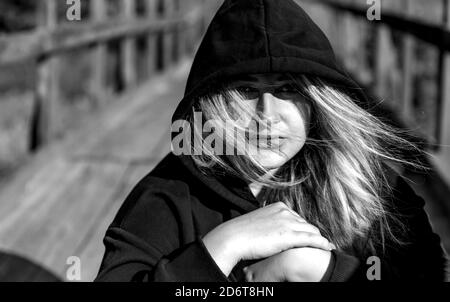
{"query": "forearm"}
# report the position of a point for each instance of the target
(128, 258)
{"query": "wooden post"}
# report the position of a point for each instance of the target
(99, 55)
(443, 93)
(408, 70)
(198, 29)
(441, 159)
(128, 48)
(379, 50)
(180, 8)
(348, 33)
(168, 36)
(204, 18)
(152, 51)
(191, 31)
(352, 40)
(45, 118)
(336, 30)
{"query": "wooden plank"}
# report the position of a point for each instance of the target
(133, 140)
(26, 220)
(85, 201)
(61, 218)
(24, 194)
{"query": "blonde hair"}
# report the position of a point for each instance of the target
(336, 181)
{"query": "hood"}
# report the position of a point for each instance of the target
(258, 36)
(262, 36)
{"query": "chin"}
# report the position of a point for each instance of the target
(271, 160)
(274, 159)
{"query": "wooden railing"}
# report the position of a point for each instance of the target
(171, 29)
(403, 59)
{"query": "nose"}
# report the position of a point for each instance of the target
(267, 107)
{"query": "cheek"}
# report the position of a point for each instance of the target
(297, 119)
(244, 116)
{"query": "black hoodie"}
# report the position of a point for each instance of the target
(156, 235)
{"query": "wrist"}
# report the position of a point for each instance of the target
(320, 266)
(222, 252)
(307, 264)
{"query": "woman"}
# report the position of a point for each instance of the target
(306, 194)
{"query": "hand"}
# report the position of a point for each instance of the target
(261, 234)
(294, 265)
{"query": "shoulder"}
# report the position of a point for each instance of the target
(407, 212)
(158, 202)
(402, 194)
(420, 244)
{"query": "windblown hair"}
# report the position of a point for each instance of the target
(336, 181)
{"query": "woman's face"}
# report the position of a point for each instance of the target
(275, 100)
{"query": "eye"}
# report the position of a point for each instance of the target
(248, 92)
(287, 89)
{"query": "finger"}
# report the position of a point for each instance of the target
(277, 205)
(249, 274)
(297, 217)
(295, 214)
(283, 208)
(305, 239)
(302, 226)
(259, 272)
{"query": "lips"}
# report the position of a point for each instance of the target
(268, 137)
(268, 142)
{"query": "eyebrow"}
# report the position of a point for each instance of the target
(246, 78)
(250, 78)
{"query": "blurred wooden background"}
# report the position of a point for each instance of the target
(401, 58)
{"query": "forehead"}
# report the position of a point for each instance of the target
(263, 78)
